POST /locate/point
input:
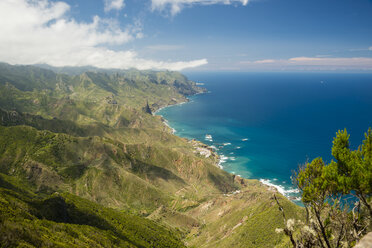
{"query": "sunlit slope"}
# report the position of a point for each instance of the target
(92, 135)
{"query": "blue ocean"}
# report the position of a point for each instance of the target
(264, 125)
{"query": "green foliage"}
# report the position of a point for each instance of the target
(325, 189)
(28, 77)
(350, 173)
(62, 220)
(354, 167)
(311, 181)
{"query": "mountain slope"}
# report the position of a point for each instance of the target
(91, 135)
(65, 220)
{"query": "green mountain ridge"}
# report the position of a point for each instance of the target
(87, 140)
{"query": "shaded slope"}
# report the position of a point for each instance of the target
(64, 220)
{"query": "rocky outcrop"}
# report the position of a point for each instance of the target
(147, 108)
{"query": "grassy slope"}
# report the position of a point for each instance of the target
(65, 220)
(100, 168)
(247, 218)
(89, 135)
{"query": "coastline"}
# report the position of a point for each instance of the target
(289, 193)
(165, 121)
(221, 158)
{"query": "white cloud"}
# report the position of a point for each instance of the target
(40, 32)
(175, 6)
(113, 5)
(370, 48)
(264, 61)
(309, 63)
(345, 62)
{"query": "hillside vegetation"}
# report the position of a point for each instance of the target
(66, 220)
(84, 162)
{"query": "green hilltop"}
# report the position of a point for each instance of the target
(85, 163)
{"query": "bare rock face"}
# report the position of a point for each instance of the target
(147, 108)
(365, 242)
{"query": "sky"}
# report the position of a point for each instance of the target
(182, 35)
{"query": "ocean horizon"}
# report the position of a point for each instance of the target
(265, 125)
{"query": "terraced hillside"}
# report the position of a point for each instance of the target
(85, 142)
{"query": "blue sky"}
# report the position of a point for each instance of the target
(239, 35)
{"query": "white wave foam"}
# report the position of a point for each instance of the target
(214, 148)
(171, 105)
(292, 191)
(245, 139)
(155, 113)
(165, 121)
(220, 164)
(280, 188)
(223, 158)
(238, 147)
(209, 137)
(167, 124)
(226, 144)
